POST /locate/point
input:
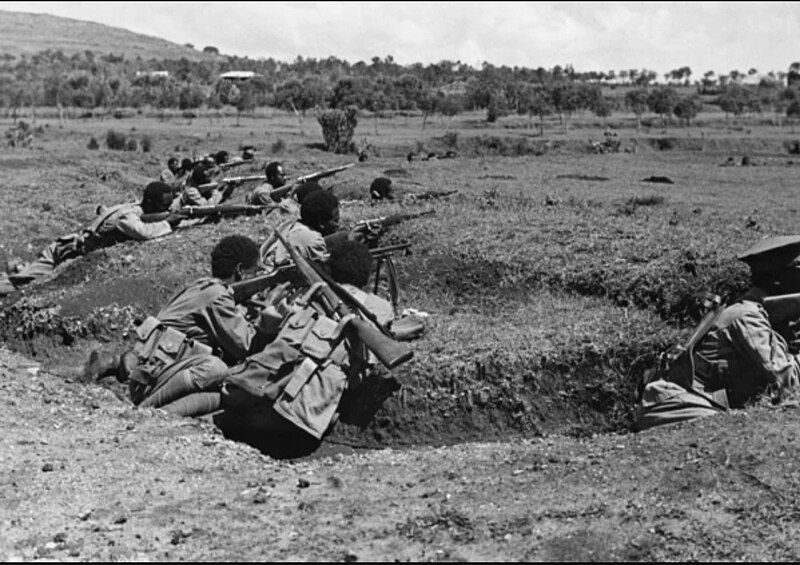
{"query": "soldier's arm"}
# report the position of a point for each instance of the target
(754, 337)
(231, 331)
(133, 227)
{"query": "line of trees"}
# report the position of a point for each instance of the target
(88, 81)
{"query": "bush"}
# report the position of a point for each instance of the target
(338, 128)
(93, 144)
(147, 144)
(278, 146)
(450, 139)
(118, 114)
(116, 140)
(132, 144)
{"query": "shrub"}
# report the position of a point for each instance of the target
(147, 144)
(338, 128)
(649, 200)
(92, 144)
(116, 140)
(132, 144)
(118, 114)
(278, 146)
(450, 139)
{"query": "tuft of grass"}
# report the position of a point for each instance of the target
(116, 140)
(647, 200)
(279, 146)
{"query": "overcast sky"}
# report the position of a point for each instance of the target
(601, 36)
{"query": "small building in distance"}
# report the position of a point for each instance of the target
(152, 74)
(238, 76)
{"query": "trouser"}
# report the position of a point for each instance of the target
(51, 256)
(195, 374)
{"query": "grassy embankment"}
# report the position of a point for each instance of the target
(550, 289)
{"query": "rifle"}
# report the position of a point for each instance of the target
(387, 250)
(232, 165)
(221, 210)
(783, 308)
(288, 189)
(243, 290)
(337, 301)
(429, 195)
(376, 226)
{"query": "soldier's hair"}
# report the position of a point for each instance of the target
(187, 164)
(272, 169)
(381, 188)
(172, 161)
(305, 189)
(317, 208)
(350, 262)
(156, 198)
(231, 251)
(199, 175)
(221, 157)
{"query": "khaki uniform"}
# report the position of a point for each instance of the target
(307, 242)
(167, 176)
(191, 197)
(182, 350)
(740, 358)
(114, 224)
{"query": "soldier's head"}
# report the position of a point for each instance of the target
(200, 174)
(350, 262)
(381, 189)
(172, 165)
(220, 157)
(187, 165)
(248, 153)
(320, 211)
(275, 175)
(305, 189)
(156, 198)
(775, 264)
(235, 257)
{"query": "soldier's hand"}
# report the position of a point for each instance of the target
(174, 220)
(358, 233)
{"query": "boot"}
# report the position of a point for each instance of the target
(127, 363)
(101, 364)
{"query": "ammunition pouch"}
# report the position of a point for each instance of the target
(302, 374)
(158, 346)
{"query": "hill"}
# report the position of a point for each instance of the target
(24, 33)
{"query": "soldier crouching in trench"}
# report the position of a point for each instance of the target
(737, 353)
(185, 348)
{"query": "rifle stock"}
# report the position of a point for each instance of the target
(376, 225)
(289, 189)
(783, 308)
(388, 351)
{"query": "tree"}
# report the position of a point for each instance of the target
(497, 108)
(246, 102)
(535, 102)
(662, 102)
(793, 112)
(636, 101)
(603, 107)
(687, 108)
(210, 49)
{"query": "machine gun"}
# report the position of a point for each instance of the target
(375, 227)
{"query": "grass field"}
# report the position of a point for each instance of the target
(553, 278)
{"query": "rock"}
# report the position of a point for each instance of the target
(47, 467)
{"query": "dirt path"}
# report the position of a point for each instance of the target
(84, 476)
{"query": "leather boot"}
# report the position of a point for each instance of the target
(128, 361)
(101, 364)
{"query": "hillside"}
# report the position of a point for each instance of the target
(24, 33)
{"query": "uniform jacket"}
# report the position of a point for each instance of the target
(307, 242)
(205, 311)
(744, 355)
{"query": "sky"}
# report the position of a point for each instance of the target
(599, 36)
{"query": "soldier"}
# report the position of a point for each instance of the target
(185, 348)
(173, 171)
(381, 189)
(269, 371)
(319, 217)
(192, 195)
(276, 178)
(738, 354)
(112, 224)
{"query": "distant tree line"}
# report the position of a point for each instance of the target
(87, 81)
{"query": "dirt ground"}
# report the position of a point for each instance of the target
(84, 476)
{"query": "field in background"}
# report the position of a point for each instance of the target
(553, 278)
